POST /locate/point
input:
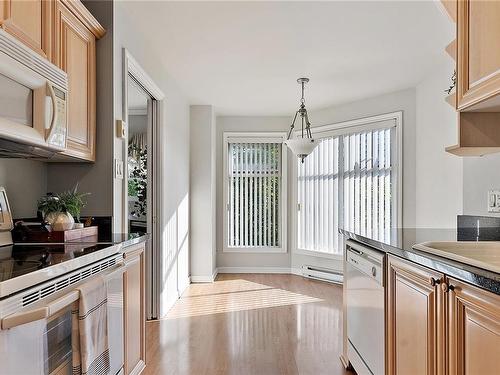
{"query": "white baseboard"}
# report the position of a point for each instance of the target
(254, 270)
(214, 275)
(202, 279)
(296, 271)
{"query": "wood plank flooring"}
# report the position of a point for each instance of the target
(250, 324)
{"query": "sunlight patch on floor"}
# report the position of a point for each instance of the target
(233, 295)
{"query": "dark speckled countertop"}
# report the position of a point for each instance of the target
(401, 243)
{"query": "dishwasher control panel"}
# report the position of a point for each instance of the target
(365, 261)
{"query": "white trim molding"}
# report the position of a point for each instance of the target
(257, 137)
(285, 270)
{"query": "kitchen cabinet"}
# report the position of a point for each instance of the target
(75, 32)
(29, 21)
(474, 329)
(134, 309)
(478, 55)
(415, 319)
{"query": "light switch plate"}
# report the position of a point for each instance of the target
(494, 201)
(121, 129)
(119, 169)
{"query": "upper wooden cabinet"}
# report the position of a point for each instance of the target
(30, 22)
(74, 52)
(474, 330)
(415, 319)
(478, 54)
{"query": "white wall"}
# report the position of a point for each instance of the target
(174, 138)
(480, 175)
(25, 181)
(202, 191)
(439, 174)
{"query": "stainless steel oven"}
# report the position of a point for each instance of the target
(36, 330)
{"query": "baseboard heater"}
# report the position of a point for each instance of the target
(323, 274)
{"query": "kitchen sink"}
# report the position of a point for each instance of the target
(485, 254)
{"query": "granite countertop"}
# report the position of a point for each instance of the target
(400, 243)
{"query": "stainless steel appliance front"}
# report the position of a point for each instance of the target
(364, 281)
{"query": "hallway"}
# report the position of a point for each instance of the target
(250, 324)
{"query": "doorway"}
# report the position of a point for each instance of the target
(142, 103)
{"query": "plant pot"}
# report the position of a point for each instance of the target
(60, 221)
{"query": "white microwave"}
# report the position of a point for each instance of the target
(33, 97)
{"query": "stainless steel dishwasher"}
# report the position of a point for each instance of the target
(364, 281)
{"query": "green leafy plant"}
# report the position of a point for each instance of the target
(138, 179)
(70, 201)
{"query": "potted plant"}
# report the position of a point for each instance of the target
(61, 210)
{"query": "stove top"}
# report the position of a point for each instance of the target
(17, 260)
(23, 265)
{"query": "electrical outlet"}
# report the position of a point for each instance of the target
(494, 201)
(119, 169)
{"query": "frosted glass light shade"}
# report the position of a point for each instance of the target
(301, 146)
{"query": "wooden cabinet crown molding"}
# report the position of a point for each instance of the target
(84, 15)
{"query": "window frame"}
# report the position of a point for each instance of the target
(256, 137)
(343, 128)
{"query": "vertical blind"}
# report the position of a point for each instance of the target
(346, 182)
(368, 185)
(318, 191)
(254, 195)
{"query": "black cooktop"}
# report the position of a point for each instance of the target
(18, 260)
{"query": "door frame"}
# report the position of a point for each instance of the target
(131, 68)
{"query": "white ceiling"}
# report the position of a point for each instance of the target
(244, 57)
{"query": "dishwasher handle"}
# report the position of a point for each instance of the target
(365, 264)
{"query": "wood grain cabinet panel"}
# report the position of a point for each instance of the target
(75, 54)
(474, 330)
(478, 63)
(134, 307)
(29, 21)
(415, 319)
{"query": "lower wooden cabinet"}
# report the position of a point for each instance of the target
(134, 307)
(415, 319)
(439, 325)
(474, 330)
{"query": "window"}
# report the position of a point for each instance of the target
(255, 191)
(352, 181)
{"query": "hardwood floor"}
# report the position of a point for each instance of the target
(250, 324)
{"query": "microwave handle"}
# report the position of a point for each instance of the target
(51, 308)
(43, 312)
(53, 121)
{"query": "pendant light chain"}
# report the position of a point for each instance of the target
(304, 145)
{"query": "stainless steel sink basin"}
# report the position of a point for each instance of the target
(484, 254)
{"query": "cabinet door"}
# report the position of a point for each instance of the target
(135, 313)
(29, 22)
(478, 64)
(474, 330)
(414, 313)
(75, 54)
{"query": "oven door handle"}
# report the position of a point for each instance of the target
(43, 312)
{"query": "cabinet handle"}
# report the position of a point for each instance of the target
(445, 287)
(434, 281)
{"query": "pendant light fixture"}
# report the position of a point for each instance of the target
(304, 143)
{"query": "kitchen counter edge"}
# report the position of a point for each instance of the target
(481, 278)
